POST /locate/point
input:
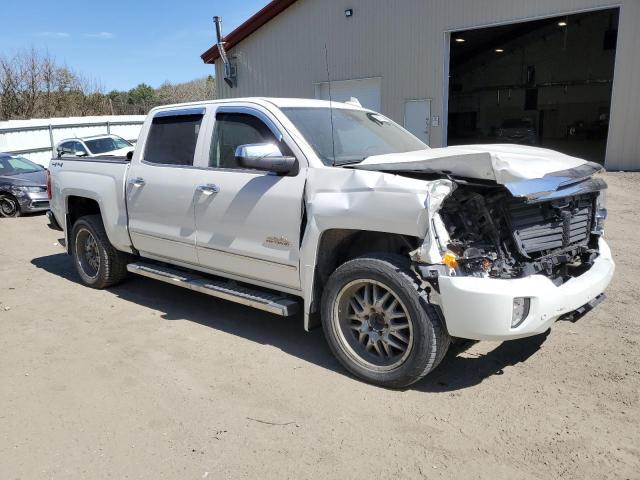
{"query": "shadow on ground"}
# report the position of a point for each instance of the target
(455, 373)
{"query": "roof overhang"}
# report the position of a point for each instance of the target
(271, 10)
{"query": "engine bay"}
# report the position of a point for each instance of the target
(497, 235)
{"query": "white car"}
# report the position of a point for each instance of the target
(97, 145)
(396, 248)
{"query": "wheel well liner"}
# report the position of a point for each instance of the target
(337, 246)
(79, 207)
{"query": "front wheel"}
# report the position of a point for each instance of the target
(9, 206)
(98, 263)
(379, 323)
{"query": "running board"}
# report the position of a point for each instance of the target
(220, 288)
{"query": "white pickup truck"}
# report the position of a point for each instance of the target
(396, 248)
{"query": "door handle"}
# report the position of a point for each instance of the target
(208, 188)
(137, 181)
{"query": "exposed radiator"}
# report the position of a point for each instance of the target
(540, 228)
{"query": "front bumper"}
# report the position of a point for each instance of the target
(33, 202)
(481, 308)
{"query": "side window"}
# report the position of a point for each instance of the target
(234, 129)
(172, 139)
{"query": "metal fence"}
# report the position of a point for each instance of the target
(36, 139)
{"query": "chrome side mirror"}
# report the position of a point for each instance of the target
(264, 156)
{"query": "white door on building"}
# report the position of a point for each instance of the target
(366, 90)
(417, 118)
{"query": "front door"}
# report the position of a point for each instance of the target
(248, 221)
(161, 187)
(417, 118)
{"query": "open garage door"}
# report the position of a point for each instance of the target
(544, 82)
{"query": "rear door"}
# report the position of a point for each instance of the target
(417, 117)
(161, 186)
(248, 222)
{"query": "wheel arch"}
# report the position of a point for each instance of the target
(336, 246)
(77, 206)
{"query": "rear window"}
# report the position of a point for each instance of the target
(172, 139)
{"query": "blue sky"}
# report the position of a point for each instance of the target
(122, 43)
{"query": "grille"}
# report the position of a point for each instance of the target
(563, 223)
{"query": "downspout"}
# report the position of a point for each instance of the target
(229, 70)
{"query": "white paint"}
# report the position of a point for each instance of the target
(480, 308)
(501, 163)
(334, 198)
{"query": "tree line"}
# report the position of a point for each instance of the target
(34, 85)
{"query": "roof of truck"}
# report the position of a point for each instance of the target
(278, 102)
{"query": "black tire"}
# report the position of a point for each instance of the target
(109, 266)
(9, 206)
(427, 340)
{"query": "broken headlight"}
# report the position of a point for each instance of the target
(601, 213)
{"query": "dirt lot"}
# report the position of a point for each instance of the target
(150, 381)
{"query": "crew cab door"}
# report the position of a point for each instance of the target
(161, 186)
(248, 221)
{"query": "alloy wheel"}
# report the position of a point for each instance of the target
(373, 324)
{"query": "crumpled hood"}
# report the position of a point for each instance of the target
(501, 163)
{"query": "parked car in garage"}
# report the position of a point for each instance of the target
(98, 145)
(517, 130)
(23, 187)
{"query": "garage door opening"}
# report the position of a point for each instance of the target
(545, 83)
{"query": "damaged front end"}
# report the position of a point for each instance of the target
(549, 226)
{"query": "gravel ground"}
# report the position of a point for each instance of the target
(146, 380)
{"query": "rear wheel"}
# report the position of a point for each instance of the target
(9, 206)
(379, 323)
(98, 263)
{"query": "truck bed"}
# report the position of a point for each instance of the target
(100, 178)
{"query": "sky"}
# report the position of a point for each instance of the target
(122, 43)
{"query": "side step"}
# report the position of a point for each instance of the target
(220, 288)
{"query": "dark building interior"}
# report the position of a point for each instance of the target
(545, 83)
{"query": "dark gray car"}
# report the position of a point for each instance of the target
(23, 186)
(517, 130)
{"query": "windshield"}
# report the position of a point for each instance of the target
(17, 165)
(356, 134)
(107, 144)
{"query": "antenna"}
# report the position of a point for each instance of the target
(333, 141)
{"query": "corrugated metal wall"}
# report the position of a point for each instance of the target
(406, 43)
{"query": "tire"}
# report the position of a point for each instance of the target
(98, 263)
(9, 206)
(357, 331)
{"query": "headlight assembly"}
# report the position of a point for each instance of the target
(21, 189)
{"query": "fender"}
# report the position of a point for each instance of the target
(361, 200)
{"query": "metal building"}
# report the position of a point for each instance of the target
(561, 74)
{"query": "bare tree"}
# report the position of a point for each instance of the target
(33, 85)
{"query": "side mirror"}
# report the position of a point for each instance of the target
(264, 156)
(65, 151)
